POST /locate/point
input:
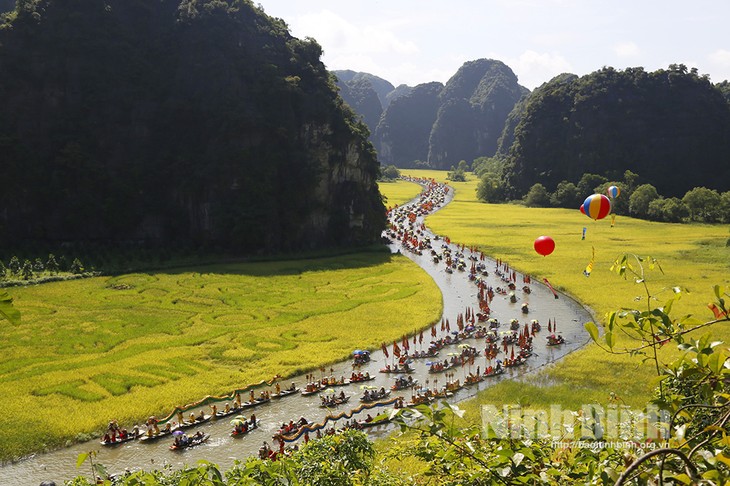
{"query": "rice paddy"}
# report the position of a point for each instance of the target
(139, 344)
(125, 347)
(398, 192)
(694, 256)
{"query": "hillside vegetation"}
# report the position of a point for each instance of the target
(670, 126)
(178, 123)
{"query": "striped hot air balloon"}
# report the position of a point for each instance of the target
(613, 192)
(597, 206)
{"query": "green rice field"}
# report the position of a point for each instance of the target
(398, 192)
(695, 257)
(129, 346)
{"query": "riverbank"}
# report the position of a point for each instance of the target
(136, 345)
(694, 257)
(458, 294)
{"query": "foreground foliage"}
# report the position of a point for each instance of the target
(335, 460)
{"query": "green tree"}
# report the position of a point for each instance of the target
(484, 165)
(566, 196)
(52, 265)
(490, 189)
(725, 206)
(703, 204)
(640, 200)
(589, 184)
(457, 174)
(671, 210)
(26, 273)
(3, 271)
(38, 266)
(390, 173)
(537, 196)
(76, 267)
(14, 266)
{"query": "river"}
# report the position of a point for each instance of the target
(458, 293)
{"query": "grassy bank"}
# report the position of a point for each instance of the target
(129, 346)
(692, 256)
(398, 192)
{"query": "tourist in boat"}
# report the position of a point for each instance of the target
(264, 451)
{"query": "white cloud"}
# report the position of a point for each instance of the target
(340, 37)
(626, 49)
(534, 68)
(720, 57)
(719, 62)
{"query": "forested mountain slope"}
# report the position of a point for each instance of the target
(196, 122)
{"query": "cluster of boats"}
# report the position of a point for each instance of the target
(158, 429)
(469, 325)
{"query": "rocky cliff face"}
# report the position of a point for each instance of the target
(465, 117)
(177, 122)
(475, 104)
(362, 98)
(403, 132)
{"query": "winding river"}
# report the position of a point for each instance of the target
(458, 293)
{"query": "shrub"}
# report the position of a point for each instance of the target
(640, 200)
(537, 196)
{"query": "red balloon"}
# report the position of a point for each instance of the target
(544, 245)
(582, 209)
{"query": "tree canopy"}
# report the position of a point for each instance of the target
(672, 126)
(196, 122)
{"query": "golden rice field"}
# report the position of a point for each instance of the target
(694, 256)
(398, 192)
(130, 346)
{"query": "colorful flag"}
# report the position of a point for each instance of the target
(589, 267)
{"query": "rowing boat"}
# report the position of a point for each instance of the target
(333, 401)
(251, 426)
(375, 396)
(192, 442)
(149, 438)
(284, 393)
(127, 438)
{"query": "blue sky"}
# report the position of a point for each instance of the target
(416, 41)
